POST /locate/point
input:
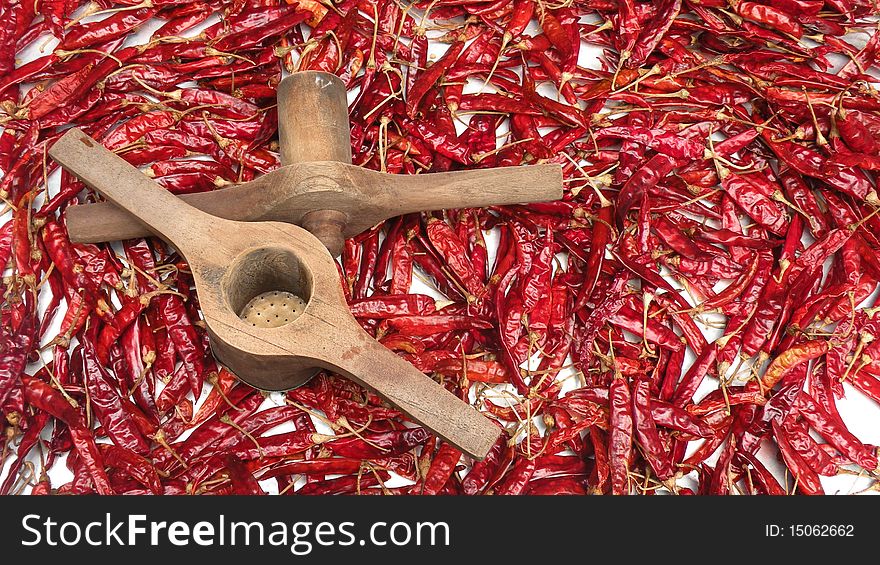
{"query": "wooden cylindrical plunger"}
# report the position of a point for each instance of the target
(313, 126)
(313, 118)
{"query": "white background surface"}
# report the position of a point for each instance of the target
(860, 413)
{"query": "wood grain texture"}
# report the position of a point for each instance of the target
(233, 261)
(313, 126)
(366, 197)
(313, 118)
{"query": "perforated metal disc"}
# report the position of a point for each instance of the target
(273, 309)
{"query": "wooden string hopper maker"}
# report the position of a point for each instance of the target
(269, 288)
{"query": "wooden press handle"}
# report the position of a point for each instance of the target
(421, 398)
(376, 197)
(404, 194)
(161, 212)
(313, 126)
(104, 221)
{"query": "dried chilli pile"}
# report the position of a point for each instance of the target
(719, 159)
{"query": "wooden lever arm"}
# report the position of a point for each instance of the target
(129, 189)
(403, 194)
(416, 395)
(366, 197)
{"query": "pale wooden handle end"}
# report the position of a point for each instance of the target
(421, 398)
(403, 194)
(163, 213)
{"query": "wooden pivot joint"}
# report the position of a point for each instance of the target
(313, 126)
(319, 189)
(328, 226)
(234, 263)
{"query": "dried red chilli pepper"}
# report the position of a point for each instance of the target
(44, 397)
(256, 34)
(278, 445)
(257, 425)
(678, 419)
(382, 444)
(26, 443)
(116, 417)
(186, 342)
(441, 469)
(710, 445)
(117, 25)
(762, 475)
(428, 78)
(330, 466)
(629, 319)
(436, 323)
(556, 486)
(600, 238)
(801, 441)
(135, 128)
(481, 472)
(770, 16)
(736, 289)
(183, 18)
(124, 318)
(676, 239)
(368, 256)
(721, 399)
(455, 254)
(556, 466)
(55, 12)
(652, 33)
(353, 484)
(628, 257)
(222, 384)
(646, 432)
(43, 486)
(15, 345)
(135, 466)
(176, 167)
(807, 480)
(444, 143)
(473, 370)
(27, 71)
(836, 434)
(210, 432)
(620, 436)
(21, 242)
(789, 359)
(242, 482)
(59, 93)
(516, 479)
